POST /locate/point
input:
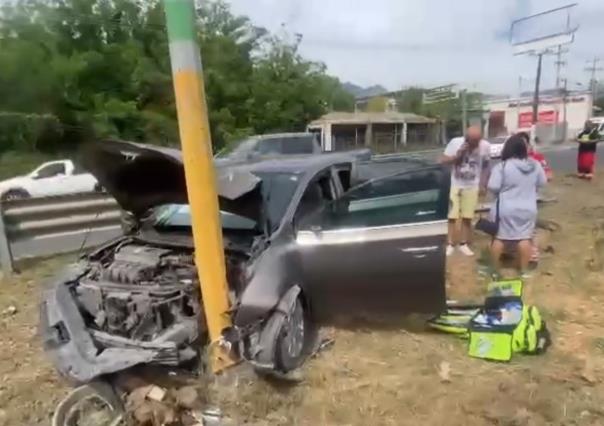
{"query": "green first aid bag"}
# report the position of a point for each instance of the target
(496, 342)
(499, 342)
(505, 288)
(455, 319)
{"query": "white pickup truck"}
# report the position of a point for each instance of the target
(53, 178)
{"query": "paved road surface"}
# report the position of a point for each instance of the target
(564, 159)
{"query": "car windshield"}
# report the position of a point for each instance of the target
(277, 192)
(179, 215)
(239, 149)
(287, 145)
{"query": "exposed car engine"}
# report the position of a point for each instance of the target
(138, 293)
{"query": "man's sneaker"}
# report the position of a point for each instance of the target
(450, 250)
(465, 250)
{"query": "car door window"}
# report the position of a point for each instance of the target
(78, 169)
(269, 147)
(317, 195)
(405, 198)
(51, 170)
(298, 145)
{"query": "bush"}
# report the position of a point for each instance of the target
(19, 163)
(29, 132)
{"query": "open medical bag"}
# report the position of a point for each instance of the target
(500, 327)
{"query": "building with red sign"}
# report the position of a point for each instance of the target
(559, 117)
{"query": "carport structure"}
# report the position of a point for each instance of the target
(383, 132)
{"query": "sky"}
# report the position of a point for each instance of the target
(399, 43)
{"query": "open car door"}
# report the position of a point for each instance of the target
(380, 248)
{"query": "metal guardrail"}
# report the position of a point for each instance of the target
(429, 154)
(39, 227)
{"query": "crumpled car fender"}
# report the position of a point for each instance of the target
(268, 337)
(274, 273)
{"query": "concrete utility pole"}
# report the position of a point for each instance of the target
(536, 94)
(199, 173)
(559, 64)
(565, 109)
(593, 69)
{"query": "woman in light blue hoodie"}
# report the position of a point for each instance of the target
(515, 181)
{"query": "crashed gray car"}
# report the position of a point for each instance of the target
(306, 240)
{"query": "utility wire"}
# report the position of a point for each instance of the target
(593, 69)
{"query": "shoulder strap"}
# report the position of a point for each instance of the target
(499, 194)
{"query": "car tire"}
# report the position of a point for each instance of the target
(15, 194)
(98, 188)
(101, 393)
(290, 336)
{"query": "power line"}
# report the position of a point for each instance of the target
(559, 63)
(593, 68)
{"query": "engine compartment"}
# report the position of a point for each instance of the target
(142, 293)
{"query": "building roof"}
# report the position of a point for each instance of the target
(371, 117)
(545, 97)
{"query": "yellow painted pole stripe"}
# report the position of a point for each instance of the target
(205, 216)
(193, 124)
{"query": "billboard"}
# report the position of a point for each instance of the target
(539, 32)
(439, 94)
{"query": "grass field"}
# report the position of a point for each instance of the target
(394, 375)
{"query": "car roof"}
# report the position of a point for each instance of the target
(292, 164)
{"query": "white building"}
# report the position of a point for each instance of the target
(511, 115)
(383, 132)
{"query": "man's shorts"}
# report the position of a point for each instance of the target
(463, 203)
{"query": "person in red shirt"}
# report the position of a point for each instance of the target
(537, 156)
(586, 157)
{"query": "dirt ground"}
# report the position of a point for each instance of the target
(394, 375)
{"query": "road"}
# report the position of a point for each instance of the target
(564, 159)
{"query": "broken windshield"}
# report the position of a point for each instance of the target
(277, 192)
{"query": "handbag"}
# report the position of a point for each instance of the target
(487, 226)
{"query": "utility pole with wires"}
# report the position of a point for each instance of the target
(593, 69)
(536, 92)
(559, 63)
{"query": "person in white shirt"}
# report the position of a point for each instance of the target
(469, 158)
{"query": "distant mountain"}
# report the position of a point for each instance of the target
(364, 92)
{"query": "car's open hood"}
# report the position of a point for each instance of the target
(141, 176)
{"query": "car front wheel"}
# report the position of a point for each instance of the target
(15, 194)
(288, 338)
(93, 403)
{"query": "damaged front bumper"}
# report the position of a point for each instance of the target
(82, 354)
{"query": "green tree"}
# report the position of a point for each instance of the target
(100, 68)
